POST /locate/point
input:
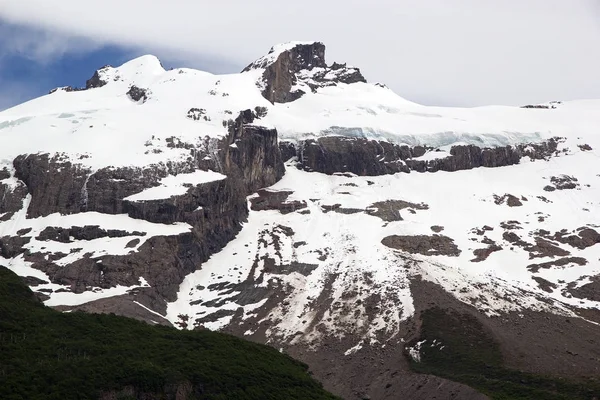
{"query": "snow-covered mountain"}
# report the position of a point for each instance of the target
(298, 205)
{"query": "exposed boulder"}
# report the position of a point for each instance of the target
(197, 114)
(582, 238)
(564, 182)
(509, 199)
(585, 147)
(389, 210)
(434, 245)
(561, 263)
(274, 200)
(137, 94)
(483, 254)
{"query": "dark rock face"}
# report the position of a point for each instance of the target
(467, 157)
(33, 281)
(589, 291)
(287, 150)
(304, 63)
(96, 80)
(360, 156)
(331, 154)
(89, 232)
(4, 174)
(280, 76)
(12, 199)
(255, 159)
(137, 94)
(55, 186)
(12, 246)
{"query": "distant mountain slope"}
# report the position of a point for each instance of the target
(297, 205)
(52, 355)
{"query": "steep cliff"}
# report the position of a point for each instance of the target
(248, 157)
(331, 154)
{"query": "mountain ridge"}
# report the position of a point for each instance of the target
(326, 216)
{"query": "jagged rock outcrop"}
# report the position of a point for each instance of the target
(65, 89)
(248, 146)
(96, 80)
(331, 154)
(293, 69)
(137, 94)
(549, 105)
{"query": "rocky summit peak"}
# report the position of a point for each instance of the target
(295, 68)
(304, 55)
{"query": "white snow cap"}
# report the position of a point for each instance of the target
(137, 71)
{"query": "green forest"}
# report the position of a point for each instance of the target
(46, 354)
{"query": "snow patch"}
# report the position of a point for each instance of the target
(176, 185)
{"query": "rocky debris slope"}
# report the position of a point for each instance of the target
(326, 268)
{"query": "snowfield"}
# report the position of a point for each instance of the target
(175, 185)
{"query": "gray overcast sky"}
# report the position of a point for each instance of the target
(443, 52)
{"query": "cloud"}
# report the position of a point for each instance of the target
(40, 45)
(461, 52)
